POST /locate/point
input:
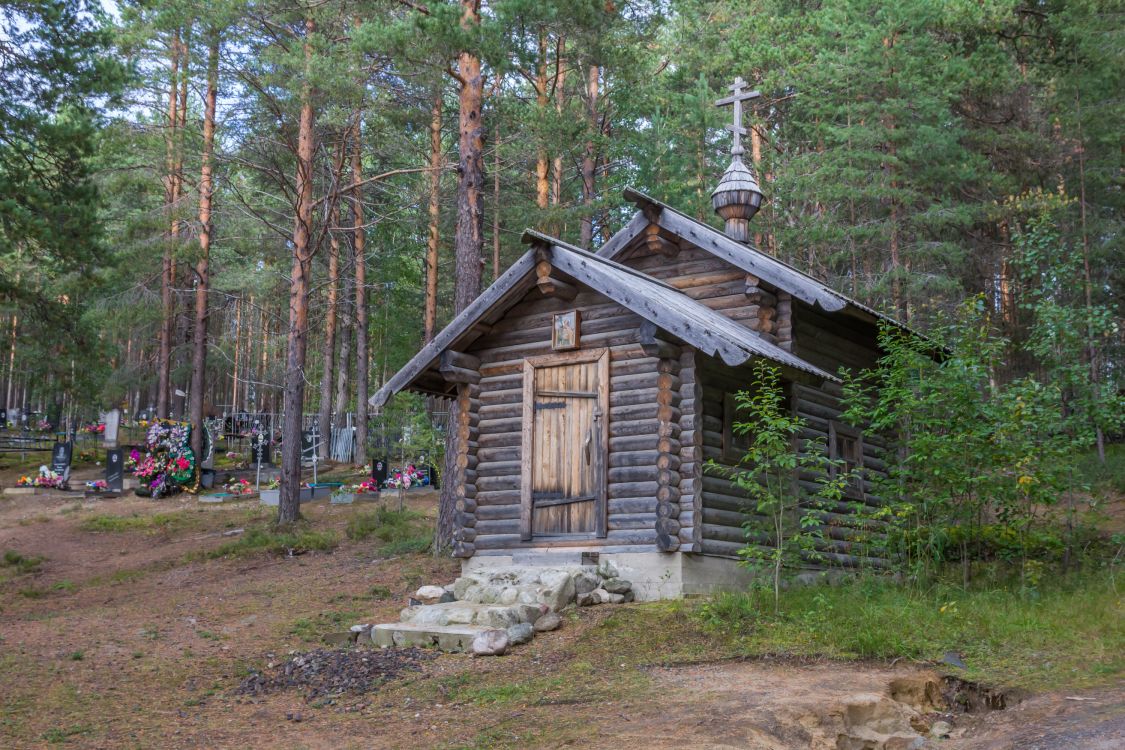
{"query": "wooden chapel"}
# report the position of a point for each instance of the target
(591, 389)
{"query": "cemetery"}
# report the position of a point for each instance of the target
(490, 374)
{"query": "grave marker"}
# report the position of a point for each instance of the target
(60, 459)
(115, 469)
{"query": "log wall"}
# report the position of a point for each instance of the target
(712, 281)
(643, 412)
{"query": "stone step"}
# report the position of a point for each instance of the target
(471, 613)
(452, 638)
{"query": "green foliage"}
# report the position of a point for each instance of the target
(160, 522)
(969, 447)
(21, 563)
(1003, 636)
(277, 542)
(400, 531)
(786, 523)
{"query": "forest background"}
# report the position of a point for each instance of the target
(269, 206)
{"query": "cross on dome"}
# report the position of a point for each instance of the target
(738, 96)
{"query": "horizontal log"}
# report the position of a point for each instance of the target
(495, 526)
(632, 443)
(633, 427)
(497, 513)
(632, 474)
(498, 497)
(612, 537)
(632, 489)
(464, 534)
(631, 521)
(453, 374)
(646, 458)
(633, 505)
(463, 549)
(499, 468)
(505, 453)
(488, 484)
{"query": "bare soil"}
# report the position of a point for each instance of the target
(138, 640)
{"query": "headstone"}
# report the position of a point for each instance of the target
(60, 459)
(379, 471)
(3, 417)
(115, 469)
(112, 420)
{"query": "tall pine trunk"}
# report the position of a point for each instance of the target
(468, 241)
(167, 311)
(433, 243)
(289, 507)
(328, 350)
(360, 242)
(590, 158)
(202, 268)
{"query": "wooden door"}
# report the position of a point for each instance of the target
(565, 439)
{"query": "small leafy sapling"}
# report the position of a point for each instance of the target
(785, 522)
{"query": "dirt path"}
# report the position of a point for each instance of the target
(137, 640)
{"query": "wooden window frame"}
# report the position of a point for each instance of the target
(837, 430)
(601, 501)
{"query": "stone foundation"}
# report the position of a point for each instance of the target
(654, 575)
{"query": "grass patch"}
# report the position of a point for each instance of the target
(1005, 637)
(400, 531)
(21, 564)
(1109, 476)
(313, 629)
(59, 735)
(278, 542)
(104, 523)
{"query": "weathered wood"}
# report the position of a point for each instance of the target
(551, 286)
(618, 490)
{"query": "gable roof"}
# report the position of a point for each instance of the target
(743, 256)
(693, 322)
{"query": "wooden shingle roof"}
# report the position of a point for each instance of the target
(691, 321)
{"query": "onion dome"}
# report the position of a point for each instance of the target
(737, 198)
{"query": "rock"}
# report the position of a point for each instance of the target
(903, 742)
(608, 570)
(556, 589)
(953, 659)
(940, 730)
(461, 587)
(429, 594)
(617, 586)
(529, 613)
(446, 597)
(589, 599)
(339, 639)
(548, 622)
(616, 598)
(509, 595)
(601, 594)
(629, 596)
(490, 643)
(585, 581)
(808, 579)
(520, 634)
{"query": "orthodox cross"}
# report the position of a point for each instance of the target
(737, 97)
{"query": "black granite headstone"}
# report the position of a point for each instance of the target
(115, 469)
(60, 459)
(379, 471)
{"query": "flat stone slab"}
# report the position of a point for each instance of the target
(453, 638)
(470, 613)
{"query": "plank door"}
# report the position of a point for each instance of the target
(565, 439)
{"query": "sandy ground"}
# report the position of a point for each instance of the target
(135, 640)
